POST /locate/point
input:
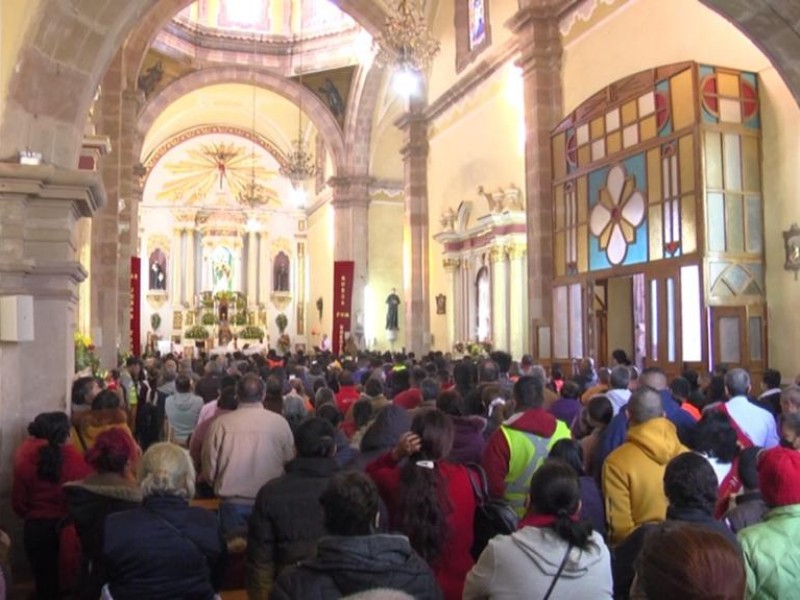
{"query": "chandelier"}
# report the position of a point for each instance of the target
(300, 164)
(252, 193)
(405, 42)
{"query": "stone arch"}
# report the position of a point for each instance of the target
(67, 51)
(358, 126)
(318, 113)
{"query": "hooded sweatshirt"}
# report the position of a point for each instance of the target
(183, 410)
(348, 565)
(633, 477)
(619, 398)
(524, 564)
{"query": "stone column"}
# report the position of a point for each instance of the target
(416, 238)
(263, 269)
(499, 274)
(540, 43)
(252, 267)
(175, 269)
(39, 212)
(351, 220)
(518, 292)
(451, 268)
(189, 272)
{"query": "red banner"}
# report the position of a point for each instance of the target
(342, 301)
(136, 306)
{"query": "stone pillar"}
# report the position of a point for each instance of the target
(175, 269)
(252, 267)
(540, 43)
(518, 294)
(451, 268)
(351, 221)
(188, 260)
(499, 274)
(416, 238)
(263, 269)
(39, 212)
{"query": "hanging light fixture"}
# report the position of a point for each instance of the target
(300, 164)
(252, 193)
(405, 42)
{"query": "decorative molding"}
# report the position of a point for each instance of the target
(582, 12)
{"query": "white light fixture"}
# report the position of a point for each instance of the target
(298, 196)
(406, 82)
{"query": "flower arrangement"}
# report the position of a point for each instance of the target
(284, 343)
(281, 321)
(208, 319)
(240, 318)
(251, 332)
(198, 332)
(85, 356)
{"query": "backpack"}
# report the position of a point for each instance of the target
(492, 516)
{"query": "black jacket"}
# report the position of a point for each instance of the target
(165, 550)
(624, 556)
(90, 501)
(348, 565)
(749, 510)
(286, 522)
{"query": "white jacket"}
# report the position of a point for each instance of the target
(523, 565)
(619, 399)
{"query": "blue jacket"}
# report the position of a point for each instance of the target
(616, 432)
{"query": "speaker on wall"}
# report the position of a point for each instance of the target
(16, 319)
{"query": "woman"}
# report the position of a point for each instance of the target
(715, 438)
(42, 464)
(165, 549)
(681, 560)
(597, 414)
(105, 414)
(468, 438)
(552, 555)
(592, 509)
(429, 499)
(111, 489)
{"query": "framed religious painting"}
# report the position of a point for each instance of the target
(791, 243)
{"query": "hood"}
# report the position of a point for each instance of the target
(535, 420)
(167, 388)
(101, 418)
(386, 429)
(107, 485)
(619, 398)
(469, 424)
(546, 550)
(657, 438)
(185, 400)
(359, 562)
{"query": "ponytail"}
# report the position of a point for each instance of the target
(54, 429)
(575, 532)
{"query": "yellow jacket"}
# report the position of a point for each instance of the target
(633, 477)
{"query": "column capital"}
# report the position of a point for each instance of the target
(516, 250)
(539, 39)
(83, 189)
(450, 264)
(497, 254)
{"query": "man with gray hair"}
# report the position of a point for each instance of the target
(634, 472)
(619, 394)
(755, 426)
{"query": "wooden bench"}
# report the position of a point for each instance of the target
(211, 504)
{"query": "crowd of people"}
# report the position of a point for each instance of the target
(367, 476)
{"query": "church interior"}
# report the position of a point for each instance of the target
(553, 177)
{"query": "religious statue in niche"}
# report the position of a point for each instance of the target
(222, 269)
(791, 242)
(158, 270)
(392, 303)
(280, 273)
(333, 98)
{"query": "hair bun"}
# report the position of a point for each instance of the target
(562, 513)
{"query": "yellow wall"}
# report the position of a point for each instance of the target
(649, 33)
(480, 141)
(320, 273)
(15, 17)
(620, 315)
(385, 267)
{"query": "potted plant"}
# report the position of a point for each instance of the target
(155, 321)
(208, 319)
(251, 332)
(240, 318)
(198, 332)
(281, 321)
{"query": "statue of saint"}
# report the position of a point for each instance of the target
(392, 301)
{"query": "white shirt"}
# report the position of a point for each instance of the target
(758, 424)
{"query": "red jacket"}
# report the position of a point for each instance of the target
(454, 561)
(34, 498)
(408, 399)
(346, 397)
(497, 454)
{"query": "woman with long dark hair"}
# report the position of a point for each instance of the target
(42, 464)
(429, 499)
(553, 554)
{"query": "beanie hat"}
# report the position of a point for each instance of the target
(779, 476)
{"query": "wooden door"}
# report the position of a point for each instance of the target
(738, 338)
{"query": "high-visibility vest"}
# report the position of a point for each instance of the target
(527, 452)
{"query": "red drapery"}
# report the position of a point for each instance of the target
(136, 306)
(342, 301)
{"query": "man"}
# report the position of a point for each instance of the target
(790, 399)
(348, 394)
(586, 377)
(182, 410)
(691, 489)
(770, 398)
(633, 473)
(430, 389)
(526, 363)
(603, 379)
(616, 432)
(619, 394)
(520, 445)
(754, 426)
(353, 558)
(681, 391)
(503, 361)
(84, 390)
(243, 450)
(287, 517)
(226, 403)
(209, 384)
(790, 431)
(168, 375)
(411, 398)
(770, 548)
